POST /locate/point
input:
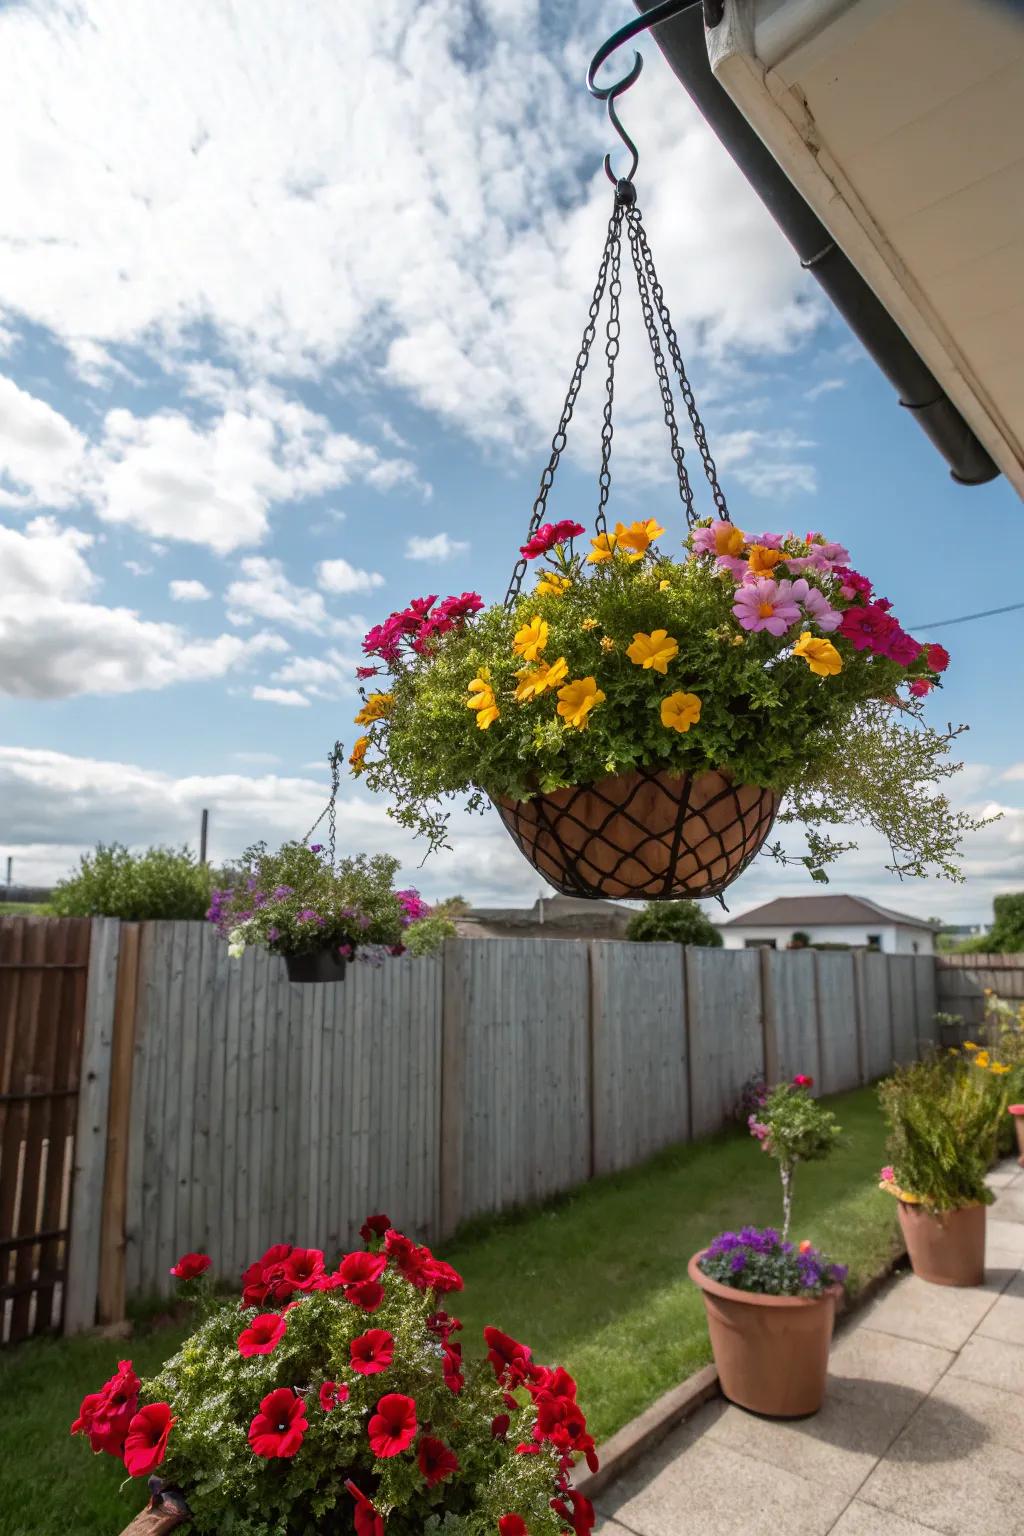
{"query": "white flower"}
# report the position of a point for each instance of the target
(236, 943)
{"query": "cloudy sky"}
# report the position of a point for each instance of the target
(287, 308)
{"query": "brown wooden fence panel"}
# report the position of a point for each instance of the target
(43, 968)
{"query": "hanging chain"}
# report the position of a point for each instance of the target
(334, 758)
(612, 240)
(657, 293)
(611, 352)
(668, 404)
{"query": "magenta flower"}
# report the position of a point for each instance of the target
(903, 648)
(888, 1174)
(763, 604)
(852, 584)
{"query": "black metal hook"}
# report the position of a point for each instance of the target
(713, 10)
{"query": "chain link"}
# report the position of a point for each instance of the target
(334, 758)
(611, 352)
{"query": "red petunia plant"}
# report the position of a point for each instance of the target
(337, 1399)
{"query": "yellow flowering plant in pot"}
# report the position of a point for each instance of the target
(640, 719)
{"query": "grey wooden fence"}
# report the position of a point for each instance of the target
(244, 1110)
(961, 982)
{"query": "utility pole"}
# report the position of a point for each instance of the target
(203, 829)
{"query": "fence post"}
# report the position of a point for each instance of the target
(453, 1065)
(112, 1288)
(83, 1267)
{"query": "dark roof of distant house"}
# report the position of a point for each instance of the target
(820, 911)
(548, 909)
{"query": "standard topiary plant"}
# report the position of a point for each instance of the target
(793, 1128)
(673, 922)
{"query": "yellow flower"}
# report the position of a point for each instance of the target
(607, 643)
(762, 560)
(590, 624)
(820, 655)
(739, 640)
(728, 540)
(481, 698)
(355, 761)
(663, 586)
(655, 650)
(577, 699)
(531, 639)
(969, 1045)
(533, 681)
(637, 539)
(553, 585)
(998, 1068)
(680, 710)
(981, 1060)
(603, 545)
(376, 707)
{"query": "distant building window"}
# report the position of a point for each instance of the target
(874, 941)
(759, 944)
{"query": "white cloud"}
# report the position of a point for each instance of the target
(184, 591)
(769, 463)
(339, 576)
(1014, 773)
(289, 696)
(137, 568)
(264, 591)
(326, 676)
(826, 387)
(440, 546)
(47, 560)
(41, 453)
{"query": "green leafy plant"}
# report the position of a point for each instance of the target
(114, 882)
(764, 657)
(673, 922)
(793, 1128)
(942, 1115)
(340, 1398)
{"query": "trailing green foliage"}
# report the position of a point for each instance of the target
(114, 882)
(673, 922)
(943, 1115)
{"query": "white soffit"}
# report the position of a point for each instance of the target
(902, 124)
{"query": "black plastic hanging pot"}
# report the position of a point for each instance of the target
(322, 965)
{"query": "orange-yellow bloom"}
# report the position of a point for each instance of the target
(728, 540)
(355, 761)
(680, 710)
(577, 699)
(820, 655)
(481, 698)
(531, 639)
(653, 651)
(553, 585)
(604, 546)
(663, 586)
(637, 539)
(762, 560)
(376, 707)
(533, 681)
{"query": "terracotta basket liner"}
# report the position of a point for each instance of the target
(647, 834)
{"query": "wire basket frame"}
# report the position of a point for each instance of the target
(649, 834)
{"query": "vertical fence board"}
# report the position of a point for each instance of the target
(900, 969)
(876, 1018)
(138, 1118)
(113, 1223)
(838, 1052)
(925, 1002)
(726, 1041)
(790, 975)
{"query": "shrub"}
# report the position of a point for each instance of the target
(943, 1115)
(763, 1261)
(673, 922)
(340, 1398)
(114, 882)
(793, 1128)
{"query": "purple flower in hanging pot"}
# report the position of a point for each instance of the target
(316, 847)
(281, 891)
(273, 934)
(307, 915)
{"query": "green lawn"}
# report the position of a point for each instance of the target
(19, 908)
(596, 1282)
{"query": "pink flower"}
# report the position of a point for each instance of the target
(465, 606)
(548, 535)
(835, 554)
(903, 648)
(888, 1174)
(852, 584)
(937, 657)
(803, 1081)
(764, 605)
(719, 539)
(921, 686)
(364, 672)
(817, 607)
(768, 540)
(869, 628)
(756, 1128)
(738, 569)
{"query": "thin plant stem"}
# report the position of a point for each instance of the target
(787, 1198)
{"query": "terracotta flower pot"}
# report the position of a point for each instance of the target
(322, 965)
(946, 1248)
(771, 1351)
(648, 834)
(1017, 1111)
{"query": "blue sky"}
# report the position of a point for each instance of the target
(284, 331)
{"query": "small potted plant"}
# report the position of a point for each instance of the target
(320, 915)
(942, 1113)
(771, 1303)
(338, 1399)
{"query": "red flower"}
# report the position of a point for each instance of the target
(581, 1516)
(263, 1334)
(442, 1277)
(411, 1260)
(190, 1266)
(364, 672)
(452, 1367)
(436, 1461)
(105, 1416)
(360, 1274)
(937, 657)
(803, 1081)
(368, 1521)
(374, 1226)
(548, 535)
(279, 1427)
(463, 607)
(443, 1325)
(921, 686)
(499, 1426)
(373, 1351)
(331, 1394)
(512, 1525)
(264, 1276)
(303, 1267)
(903, 648)
(146, 1443)
(393, 1427)
(509, 1358)
(869, 628)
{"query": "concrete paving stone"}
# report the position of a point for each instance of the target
(1007, 1236)
(860, 1519)
(993, 1362)
(1005, 1320)
(609, 1527)
(866, 1354)
(1009, 1204)
(935, 1314)
(691, 1482)
(1005, 1174)
(957, 1467)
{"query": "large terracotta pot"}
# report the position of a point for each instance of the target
(322, 965)
(946, 1248)
(648, 834)
(771, 1351)
(1017, 1111)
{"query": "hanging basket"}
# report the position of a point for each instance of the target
(322, 965)
(647, 835)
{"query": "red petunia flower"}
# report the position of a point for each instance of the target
(146, 1442)
(463, 607)
(512, 1525)
(303, 1267)
(368, 1521)
(921, 687)
(393, 1427)
(280, 1426)
(937, 657)
(436, 1461)
(264, 1276)
(364, 672)
(499, 1426)
(374, 1226)
(443, 1278)
(331, 1394)
(803, 1081)
(580, 1516)
(360, 1274)
(105, 1416)
(191, 1265)
(452, 1366)
(410, 1259)
(548, 535)
(373, 1351)
(263, 1334)
(509, 1358)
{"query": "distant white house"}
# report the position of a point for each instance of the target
(850, 921)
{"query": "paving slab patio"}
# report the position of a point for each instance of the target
(922, 1430)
